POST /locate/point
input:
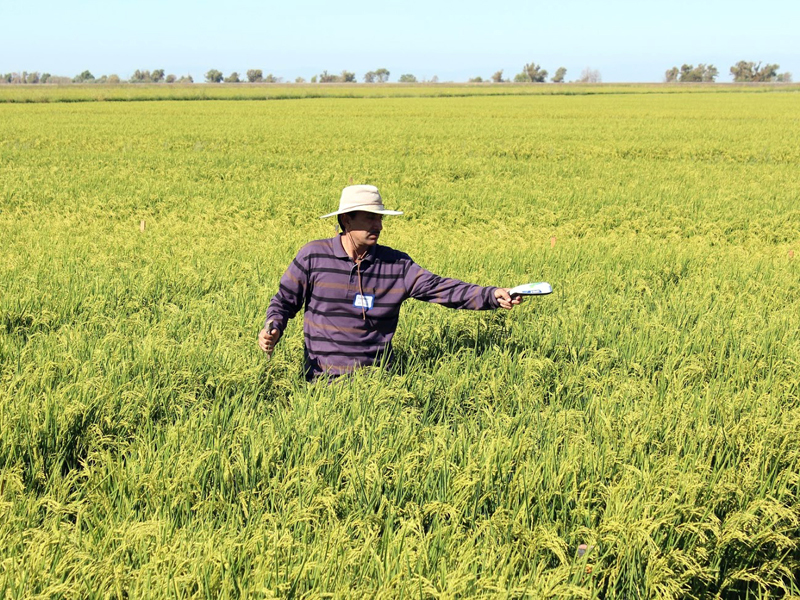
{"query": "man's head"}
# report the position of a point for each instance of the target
(361, 199)
(363, 227)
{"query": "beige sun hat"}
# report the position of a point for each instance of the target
(361, 197)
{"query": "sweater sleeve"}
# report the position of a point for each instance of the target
(291, 293)
(452, 293)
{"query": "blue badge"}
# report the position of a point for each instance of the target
(364, 301)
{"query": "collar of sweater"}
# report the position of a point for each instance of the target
(340, 252)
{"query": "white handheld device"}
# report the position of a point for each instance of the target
(531, 289)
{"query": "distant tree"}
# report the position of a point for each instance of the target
(347, 77)
(85, 77)
(785, 77)
(590, 76)
(44, 78)
(270, 78)
(369, 77)
(477, 79)
(535, 73)
(498, 76)
(314, 79)
(766, 73)
(692, 74)
(32, 77)
(561, 72)
(113, 78)
(233, 78)
(214, 76)
(157, 76)
(141, 76)
(407, 78)
(710, 73)
(299, 80)
(689, 74)
(531, 72)
(255, 75)
(671, 75)
(186, 79)
(101, 79)
(744, 71)
(382, 75)
(171, 78)
(435, 79)
(326, 77)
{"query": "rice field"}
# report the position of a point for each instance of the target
(138, 92)
(634, 435)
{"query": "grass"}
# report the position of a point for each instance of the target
(152, 92)
(649, 408)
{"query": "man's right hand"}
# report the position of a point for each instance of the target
(268, 338)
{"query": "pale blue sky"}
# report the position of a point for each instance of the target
(623, 39)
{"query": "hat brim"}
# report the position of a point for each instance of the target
(370, 209)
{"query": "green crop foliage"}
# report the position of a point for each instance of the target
(152, 92)
(649, 408)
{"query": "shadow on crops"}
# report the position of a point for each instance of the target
(22, 325)
(428, 346)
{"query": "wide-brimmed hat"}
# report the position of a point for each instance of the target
(361, 197)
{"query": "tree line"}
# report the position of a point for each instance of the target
(155, 76)
(257, 76)
(531, 73)
(742, 71)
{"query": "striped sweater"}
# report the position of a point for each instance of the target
(347, 323)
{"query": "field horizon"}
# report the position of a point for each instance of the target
(143, 92)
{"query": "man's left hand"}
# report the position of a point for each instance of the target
(505, 299)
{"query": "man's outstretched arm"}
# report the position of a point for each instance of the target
(453, 293)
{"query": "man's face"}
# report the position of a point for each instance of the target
(363, 227)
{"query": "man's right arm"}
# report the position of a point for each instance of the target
(287, 302)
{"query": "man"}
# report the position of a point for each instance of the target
(352, 289)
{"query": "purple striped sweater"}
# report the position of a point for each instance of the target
(346, 327)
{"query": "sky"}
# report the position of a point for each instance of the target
(625, 40)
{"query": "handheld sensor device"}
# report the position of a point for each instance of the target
(531, 289)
